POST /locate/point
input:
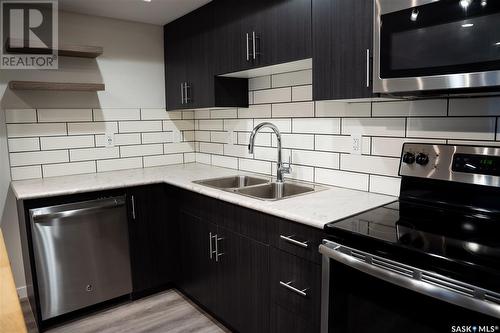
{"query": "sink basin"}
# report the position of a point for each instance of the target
(232, 182)
(276, 191)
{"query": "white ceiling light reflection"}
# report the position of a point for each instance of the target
(465, 3)
(467, 25)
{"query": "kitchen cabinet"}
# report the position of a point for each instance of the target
(259, 33)
(342, 49)
(189, 66)
(153, 236)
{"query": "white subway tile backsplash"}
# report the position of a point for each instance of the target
(64, 115)
(258, 83)
(240, 125)
(182, 147)
(262, 139)
(284, 125)
(255, 166)
(92, 128)
(374, 126)
(160, 114)
(153, 161)
(340, 144)
(292, 110)
(220, 137)
(211, 148)
(316, 125)
(299, 172)
(178, 125)
(297, 141)
(386, 166)
(237, 151)
(271, 154)
(316, 158)
(88, 154)
(120, 139)
(292, 78)
(140, 126)
(204, 135)
(203, 158)
(24, 144)
(302, 93)
(141, 150)
(30, 130)
(394, 146)
(202, 114)
(211, 125)
(357, 181)
(223, 113)
(225, 161)
(342, 109)
(420, 108)
(116, 114)
(27, 172)
(157, 137)
(66, 142)
(66, 169)
(278, 95)
(119, 164)
(385, 185)
(186, 115)
(20, 116)
(452, 128)
(475, 107)
(255, 111)
(189, 157)
(39, 157)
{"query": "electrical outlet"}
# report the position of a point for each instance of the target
(176, 136)
(109, 140)
(357, 144)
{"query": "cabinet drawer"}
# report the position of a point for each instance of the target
(295, 285)
(300, 240)
(284, 321)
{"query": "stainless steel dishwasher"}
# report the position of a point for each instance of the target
(81, 254)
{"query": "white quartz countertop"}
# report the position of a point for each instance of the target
(315, 209)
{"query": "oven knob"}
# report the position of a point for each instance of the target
(422, 159)
(409, 158)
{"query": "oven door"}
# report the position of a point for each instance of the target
(366, 293)
(436, 45)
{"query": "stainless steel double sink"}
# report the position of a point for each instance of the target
(259, 188)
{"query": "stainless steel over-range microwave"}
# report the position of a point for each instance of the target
(436, 46)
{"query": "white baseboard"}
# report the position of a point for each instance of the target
(21, 291)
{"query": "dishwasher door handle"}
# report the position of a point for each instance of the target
(70, 210)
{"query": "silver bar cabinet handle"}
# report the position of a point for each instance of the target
(289, 239)
(248, 47)
(211, 252)
(288, 285)
(368, 68)
(217, 254)
(254, 45)
(132, 199)
(186, 93)
(182, 93)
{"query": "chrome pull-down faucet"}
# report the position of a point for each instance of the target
(281, 168)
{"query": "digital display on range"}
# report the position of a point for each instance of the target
(478, 164)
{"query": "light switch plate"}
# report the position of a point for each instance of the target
(109, 139)
(356, 144)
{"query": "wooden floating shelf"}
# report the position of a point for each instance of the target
(64, 50)
(55, 86)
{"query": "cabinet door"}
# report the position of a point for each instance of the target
(176, 47)
(153, 233)
(342, 48)
(243, 282)
(198, 271)
(291, 30)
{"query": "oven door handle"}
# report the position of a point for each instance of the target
(411, 278)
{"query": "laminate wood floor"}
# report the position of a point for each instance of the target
(165, 312)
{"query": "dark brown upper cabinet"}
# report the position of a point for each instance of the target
(190, 80)
(251, 34)
(342, 49)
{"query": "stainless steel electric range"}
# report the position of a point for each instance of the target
(428, 262)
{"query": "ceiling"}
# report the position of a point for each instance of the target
(157, 12)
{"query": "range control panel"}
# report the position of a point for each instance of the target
(465, 164)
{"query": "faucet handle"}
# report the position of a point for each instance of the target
(288, 167)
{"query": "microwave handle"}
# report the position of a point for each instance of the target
(411, 278)
(368, 68)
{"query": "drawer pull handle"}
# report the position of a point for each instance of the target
(289, 239)
(288, 285)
